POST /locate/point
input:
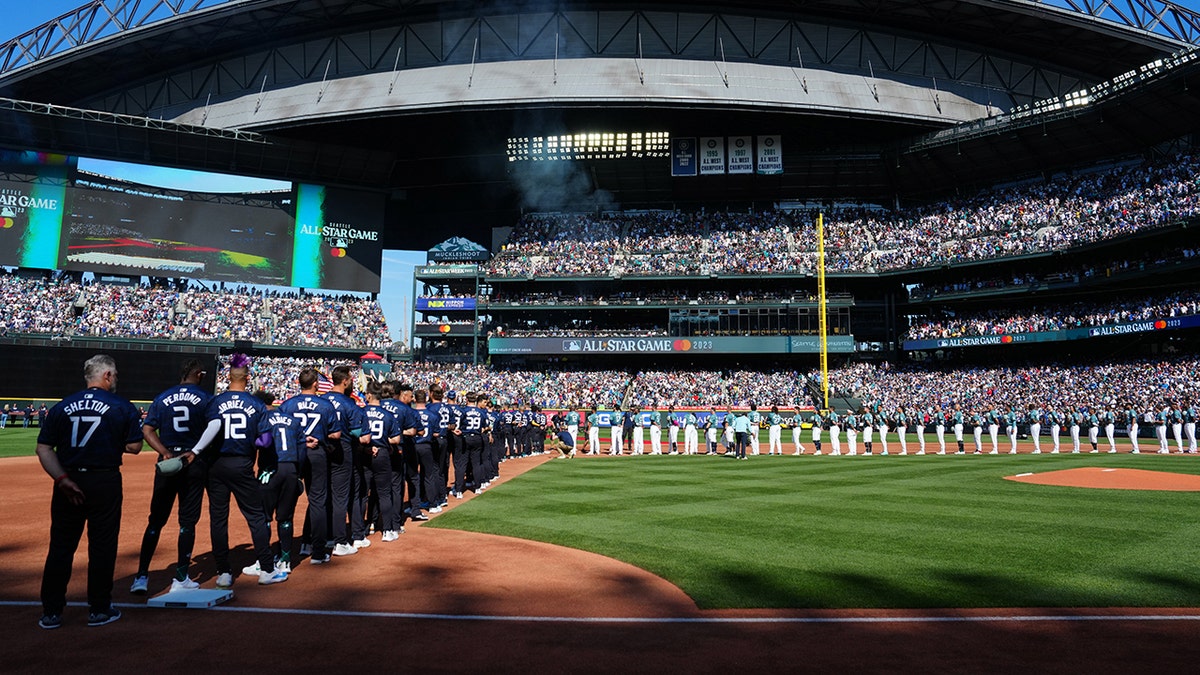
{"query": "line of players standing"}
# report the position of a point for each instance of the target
(870, 422)
(379, 464)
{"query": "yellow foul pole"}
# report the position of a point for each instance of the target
(824, 326)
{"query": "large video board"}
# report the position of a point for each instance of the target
(94, 215)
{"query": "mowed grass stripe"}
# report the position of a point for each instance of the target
(863, 532)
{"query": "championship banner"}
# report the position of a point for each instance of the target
(712, 156)
(683, 157)
(741, 155)
(1148, 326)
(770, 155)
(774, 344)
(450, 304)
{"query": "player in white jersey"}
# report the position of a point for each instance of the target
(755, 419)
(852, 432)
(835, 433)
(655, 433)
(774, 432)
(796, 430)
(1034, 416)
(881, 423)
(639, 432)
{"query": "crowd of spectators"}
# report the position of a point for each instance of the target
(1064, 211)
(1145, 384)
(719, 389)
(46, 304)
(36, 305)
(1059, 316)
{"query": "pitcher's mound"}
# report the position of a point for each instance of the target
(1113, 479)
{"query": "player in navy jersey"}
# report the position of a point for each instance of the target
(318, 420)
(233, 418)
(282, 450)
(406, 466)
(424, 444)
(81, 446)
(172, 426)
(452, 442)
(470, 434)
(376, 467)
(491, 461)
(442, 414)
(343, 501)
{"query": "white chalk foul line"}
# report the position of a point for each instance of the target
(664, 620)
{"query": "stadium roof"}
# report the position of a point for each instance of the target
(860, 89)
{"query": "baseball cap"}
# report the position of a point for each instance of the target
(451, 395)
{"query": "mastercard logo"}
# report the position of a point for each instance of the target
(1158, 325)
(7, 222)
(1007, 339)
(682, 345)
(444, 328)
(338, 252)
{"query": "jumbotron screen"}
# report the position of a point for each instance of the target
(100, 216)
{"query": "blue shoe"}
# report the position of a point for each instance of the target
(101, 618)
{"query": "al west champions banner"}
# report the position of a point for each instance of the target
(59, 212)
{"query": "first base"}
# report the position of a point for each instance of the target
(197, 598)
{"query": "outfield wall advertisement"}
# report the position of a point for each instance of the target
(1132, 328)
(774, 344)
(59, 212)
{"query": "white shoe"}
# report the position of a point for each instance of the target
(1093, 452)
(1113, 451)
(250, 570)
(344, 549)
(903, 453)
(275, 577)
(1036, 452)
(224, 580)
(437, 509)
(283, 566)
(994, 452)
(1012, 452)
(305, 549)
(140, 585)
(189, 585)
(1135, 452)
(390, 535)
(362, 543)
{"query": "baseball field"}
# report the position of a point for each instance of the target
(689, 564)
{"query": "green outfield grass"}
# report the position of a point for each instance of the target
(844, 532)
(17, 442)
